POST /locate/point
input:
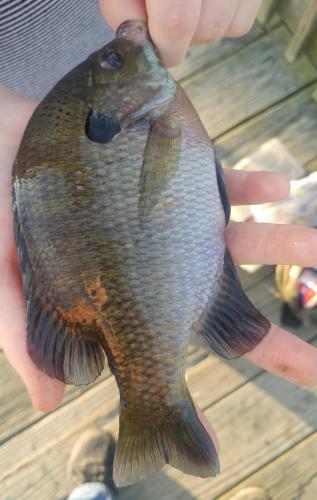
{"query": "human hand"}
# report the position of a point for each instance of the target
(44, 391)
(280, 352)
(176, 24)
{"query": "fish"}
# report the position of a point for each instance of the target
(120, 207)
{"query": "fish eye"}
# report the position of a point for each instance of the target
(112, 60)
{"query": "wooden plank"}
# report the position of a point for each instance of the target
(293, 122)
(32, 460)
(291, 12)
(16, 411)
(200, 56)
(293, 475)
(303, 31)
(267, 10)
(247, 83)
(101, 400)
(250, 418)
(245, 447)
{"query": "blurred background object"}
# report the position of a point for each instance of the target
(301, 18)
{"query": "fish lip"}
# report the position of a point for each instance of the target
(134, 30)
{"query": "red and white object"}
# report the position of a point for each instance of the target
(307, 289)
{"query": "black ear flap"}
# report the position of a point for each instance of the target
(101, 128)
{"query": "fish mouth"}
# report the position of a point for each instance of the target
(134, 30)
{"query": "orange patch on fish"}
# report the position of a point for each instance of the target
(81, 313)
(96, 291)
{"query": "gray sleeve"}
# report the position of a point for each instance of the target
(41, 40)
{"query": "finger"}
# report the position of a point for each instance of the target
(116, 12)
(286, 355)
(215, 19)
(244, 17)
(46, 393)
(172, 25)
(250, 188)
(253, 243)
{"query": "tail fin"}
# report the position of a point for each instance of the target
(181, 441)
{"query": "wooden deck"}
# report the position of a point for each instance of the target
(246, 93)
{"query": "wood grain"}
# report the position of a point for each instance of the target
(267, 10)
(304, 31)
(293, 121)
(291, 11)
(16, 411)
(200, 56)
(237, 89)
(291, 476)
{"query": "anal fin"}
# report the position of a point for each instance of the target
(232, 326)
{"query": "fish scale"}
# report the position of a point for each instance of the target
(120, 208)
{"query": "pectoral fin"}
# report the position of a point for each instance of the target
(161, 159)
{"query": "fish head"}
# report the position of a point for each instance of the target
(128, 78)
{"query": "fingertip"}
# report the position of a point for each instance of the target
(172, 25)
(161, 38)
(284, 354)
(256, 187)
(45, 392)
(47, 395)
(276, 185)
(116, 12)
